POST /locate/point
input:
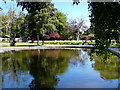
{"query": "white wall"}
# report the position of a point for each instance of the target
(7, 39)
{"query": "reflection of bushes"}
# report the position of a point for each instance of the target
(109, 68)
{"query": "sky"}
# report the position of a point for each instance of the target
(71, 11)
(74, 11)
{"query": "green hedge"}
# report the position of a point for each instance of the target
(70, 43)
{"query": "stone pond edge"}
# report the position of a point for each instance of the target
(113, 50)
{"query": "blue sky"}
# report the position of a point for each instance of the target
(71, 11)
(74, 11)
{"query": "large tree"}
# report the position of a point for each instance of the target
(105, 22)
(45, 21)
(40, 17)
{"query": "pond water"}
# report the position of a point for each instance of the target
(59, 68)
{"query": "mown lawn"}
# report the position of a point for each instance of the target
(46, 43)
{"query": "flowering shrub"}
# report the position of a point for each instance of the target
(55, 36)
(84, 37)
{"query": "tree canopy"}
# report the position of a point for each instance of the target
(105, 22)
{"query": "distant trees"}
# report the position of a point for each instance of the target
(12, 25)
(77, 26)
(44, 19)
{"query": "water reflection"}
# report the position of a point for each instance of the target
(47, 64)
(45, 68)
(108, 65)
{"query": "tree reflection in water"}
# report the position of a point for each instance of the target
(80, 58)
(45, 65)
(14, 68)
(107, 64)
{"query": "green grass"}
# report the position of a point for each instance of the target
(4, 41)
(28, 44)
(4, 45)
(25, 44)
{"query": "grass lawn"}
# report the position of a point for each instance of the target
(25, 44)
(47, 43)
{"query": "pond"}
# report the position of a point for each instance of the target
(59, 68)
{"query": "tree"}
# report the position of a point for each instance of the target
(22, 24)
(61, 24)
(54, 36)
(45, 21)
(12, 20)
(41, 17)
(105, 22)
(11, 23)
(77, 26)
(4, 25)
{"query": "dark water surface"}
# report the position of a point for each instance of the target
(59, 68)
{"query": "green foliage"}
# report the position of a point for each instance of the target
(5, 25)
(60, 25)
(105, 23)
(22, 25)
(12, 24)
(44, 20)
(39, 17)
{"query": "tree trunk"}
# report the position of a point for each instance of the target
(12, 36)
(37, 39)
(12, 41)
(42, 40)
(78, 35)
(32, 41)
(43, 37)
